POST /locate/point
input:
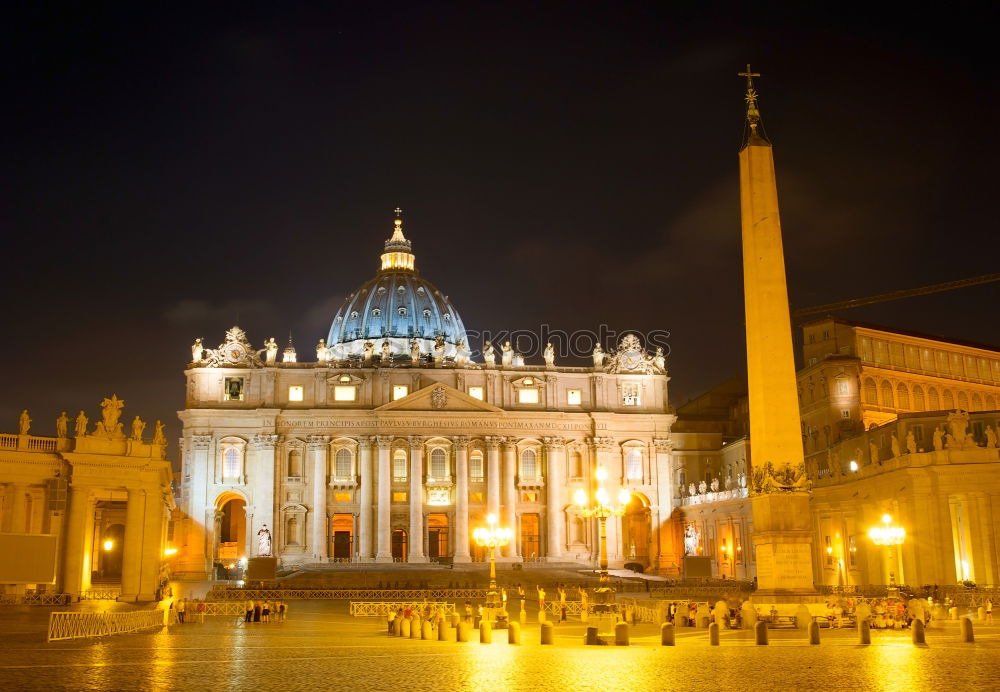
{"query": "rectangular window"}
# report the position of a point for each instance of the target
(845, 413)
(476, 393)
(842, 387)
(345, 393)
(630, 394)
(529, 497)
(574, 397)
(399, 391)
(399, 496)
(527, 396)
(233, 389)
(342, 497)
(295, 393)
(476, 467)
(399, 466)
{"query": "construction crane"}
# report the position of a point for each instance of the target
(897, 295)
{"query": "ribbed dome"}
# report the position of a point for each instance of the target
(397, 305)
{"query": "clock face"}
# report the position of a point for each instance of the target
(631, 360)
(235, 353)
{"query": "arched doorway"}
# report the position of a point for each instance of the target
(399, 545)
(342, 532)
(231, 533)
(437, 536)
(636, 532)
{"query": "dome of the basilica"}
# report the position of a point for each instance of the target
(398, 306)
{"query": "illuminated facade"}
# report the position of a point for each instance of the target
(392, 443)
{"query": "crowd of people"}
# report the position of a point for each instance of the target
(261, 611)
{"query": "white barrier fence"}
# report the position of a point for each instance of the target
(371, 609)
(403, 595)
(82, 625)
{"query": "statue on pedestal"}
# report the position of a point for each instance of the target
(991, 437)
(659, 360)
(80, 428)
(264, 542)
(414, 351)
(715, 485)
(369, 348)
(196, 351)
(111, 411)
(439, 349)
(271, 351)
(691, 489)
(958, 423)
(938, 439)
(507, 354)
(23, 423)
(690, 540)
(911, 443)
(62, 425)
(896, 451)
(489, 355)
(702, 488)
(873, 451)
(598, 357)
(386, 352)
(322, 352)
(461, 353)
(138, 428)
(550, 354)
(158, 437)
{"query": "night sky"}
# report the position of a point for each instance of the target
(169, 172)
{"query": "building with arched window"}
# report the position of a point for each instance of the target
(394, 443)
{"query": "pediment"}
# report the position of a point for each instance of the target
(439, 397)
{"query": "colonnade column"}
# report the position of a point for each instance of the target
(196, 554)
(319, 446)
(602, 448)
(132, 553)
(416, 552)
(555, 452)
(153, 538)
(15, 519)
(365, 498)
(462, 500)
(76, 560)
(263, 484)
(510, 494)
(384, 551)
(666, 551)
(493, 476)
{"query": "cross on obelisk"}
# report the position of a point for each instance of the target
(399, 212)
(753, 115)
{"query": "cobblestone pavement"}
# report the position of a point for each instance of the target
(321, 647)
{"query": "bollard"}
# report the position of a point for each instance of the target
(485, 632)
(428, 630)
(864, 633)
(621, 634)
(405, 628)
(760, 633)
(450, 633)
(541, 616)
(918, 632)
(443, 631)
(667, 634)
(462, 632)
(415, 628)
(397, 626)
(455, 619)
(546, 635)
(523, 616)
(967, 635)
(713, 634)
(814, 632)
(982, 614)
(953, 613)
(591, 638)
(514, 633)
(703, 621)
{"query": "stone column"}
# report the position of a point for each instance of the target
(493, 476)
(462, 500)
(510, 494)
(384, 551)
(15, 517)
(603, 449)
(669, 554)
(132, 554)
(153, 540)
(76, 554)
(194, 559)
(319, 446)
(416, 553)
(365, 498)
(263, 485)
(555, 453)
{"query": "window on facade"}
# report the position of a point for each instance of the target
(476, 393)
(399, 496)
(845, 413)
(633, 465)
(902, 397)
(630, 394)
(529, 469)
(399, 465)
(295, 464)
(843, 387)
(918, 399)
(527, 396)
(439, 463)
(933, 402)
(476, 467)
(231, 463)
(292, 531)
(576, 465)
(342, 464)
(871, 392)
(529, 497)
(399, 391)
(295, 393)
(345, 393)
(574, 397)
(233, 389)
(342, 497)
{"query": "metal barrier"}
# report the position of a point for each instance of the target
(572, 607)
(100, 594)
(221, 608)
(371, 609)
(82, 625)
(397, 595)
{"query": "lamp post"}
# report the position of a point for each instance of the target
(888, 535)
(602, 508)
(493, 537)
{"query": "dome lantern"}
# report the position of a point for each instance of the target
(397, 255)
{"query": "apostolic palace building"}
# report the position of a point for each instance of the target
(388, 443)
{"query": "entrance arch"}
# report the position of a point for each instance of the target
(399, 545)
(342, 532)
(110, 554)
(636, 532)
(231, 529)
(437, 536)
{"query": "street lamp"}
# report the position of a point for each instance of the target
(890, 536)
(493, 537)
(604, 595)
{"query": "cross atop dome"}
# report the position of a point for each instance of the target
(397, 253)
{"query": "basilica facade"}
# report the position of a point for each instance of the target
(391, 444)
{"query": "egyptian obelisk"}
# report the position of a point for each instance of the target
(782, 533)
